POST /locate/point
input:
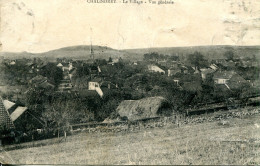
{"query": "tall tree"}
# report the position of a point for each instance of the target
(229, 55)
(197, 60)
(53, 73)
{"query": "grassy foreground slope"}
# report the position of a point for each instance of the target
(237, 142)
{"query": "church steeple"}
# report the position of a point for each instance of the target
(91, 52)
(91, 48)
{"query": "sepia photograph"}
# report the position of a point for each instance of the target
(130, 82)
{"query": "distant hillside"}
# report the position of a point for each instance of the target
(75, 52)
(14, 55)
(83, 52)
(210, 52)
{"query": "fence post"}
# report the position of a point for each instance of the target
(177, 120)
(128, 125)
(33, 140)
(65, 132)
(58, 133)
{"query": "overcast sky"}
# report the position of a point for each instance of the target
(42, 25)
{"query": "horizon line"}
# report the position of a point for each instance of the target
(132, 48)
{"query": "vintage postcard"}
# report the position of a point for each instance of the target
(130, 82)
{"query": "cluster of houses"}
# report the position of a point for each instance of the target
(41, 81)
(221, 72)
(68, 68)
(223, 79)
(95, 82)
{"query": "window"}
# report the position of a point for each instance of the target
(222, 81)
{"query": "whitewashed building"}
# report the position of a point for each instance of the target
(154, 68)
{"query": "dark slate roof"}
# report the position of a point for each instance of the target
(5, 120)
(38, 79)
(192, 86)
(237, 82)
(107, 83)
(207, 71)
(88, 93)
(222, 88)
(94, 68)
(73, 71)
(41, 65)
(46, 85)
(223, 74)
(174, 68)
(96, 80)
(30, 64)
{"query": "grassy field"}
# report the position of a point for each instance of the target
(235, 142)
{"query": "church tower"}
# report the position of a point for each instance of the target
(91, 52)
(91, 48)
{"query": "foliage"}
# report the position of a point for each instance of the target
(229, 55)
(15, 74)
(151, 56)
(133, 83)
(197, 60)
(154, 56)
(249, 73)
(101, 62)
(82, 70)
(53, 73)
(60, 114)
(109, 103)
(110, 59)
(108, 109)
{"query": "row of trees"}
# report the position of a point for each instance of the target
(20, 73)
(154, 56)
(15, 74)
